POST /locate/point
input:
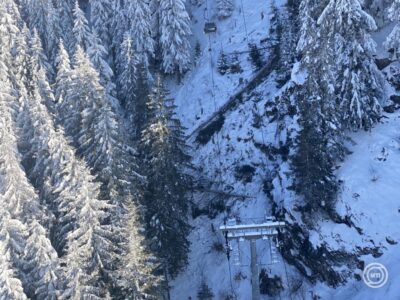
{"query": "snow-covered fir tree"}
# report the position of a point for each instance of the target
(392, 43)
(128, 73)
(136, 273)
(71, 102)
(82, 33)
(140, 29)
(93, 45)
(283, 38)
(320, 140)
(118, 27)
(66, 23)
(10, 23)
(174, 36)
(225, 8)
(63, 79)
(318, 60)
(101, 20)
(21, 201)
(69, 191)
(39, 69)
(41, 265)
(20, 208)
(98, 56)
(358, 81)
(10, 285)
(379, 10)
(89, 245)
(133, 86)
(97, 136)
(165, 153)
(72, 196)
(43, 16)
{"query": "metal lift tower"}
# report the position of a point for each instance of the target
(267, 229)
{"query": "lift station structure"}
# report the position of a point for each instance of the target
(267, 229)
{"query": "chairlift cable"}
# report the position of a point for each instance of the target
(219, 150)
(244, 20)
(287, 276)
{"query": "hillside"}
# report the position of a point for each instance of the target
(198, 149)
(368, 175)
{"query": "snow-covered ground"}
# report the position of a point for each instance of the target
(194, 96)
(195, 103)
(370, 175)
(371, 195)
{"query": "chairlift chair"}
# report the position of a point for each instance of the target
(210, 27)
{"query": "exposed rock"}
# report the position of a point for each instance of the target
(382, 63)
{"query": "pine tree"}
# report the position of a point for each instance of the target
(119, 26)
(81, 30)
(225, 8)
(41, 265)
(275, 33)
(223, 63)
(205, 293)
(128, 79)
(10, 286)
(287, 26)
(43, 16)
(320, 141)
(70, 192)
(166, 202)
(256, 56)
(68, 188)
(66, 23)
(392, 43)
(93, 45)
(40, 70)
(63, 82)
(72, 102)
(20, 206)
(313, 166)
(358, 81)
(20, 200)
(97, 136)
(135, 273)
(10, 22)
(140, 30)
(98, 56)
(174, 36)
(139, 117)
(100, 19)
(88, 246)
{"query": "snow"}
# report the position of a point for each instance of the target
(236, 140)
(194, 97)
(372, 171)
(380, 37)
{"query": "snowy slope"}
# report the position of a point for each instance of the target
(236, 141)
(370, 175)
(194, 96)
(370, 194)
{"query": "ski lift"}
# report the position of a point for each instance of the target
(210, 27)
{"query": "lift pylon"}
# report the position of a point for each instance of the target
(266, 229)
